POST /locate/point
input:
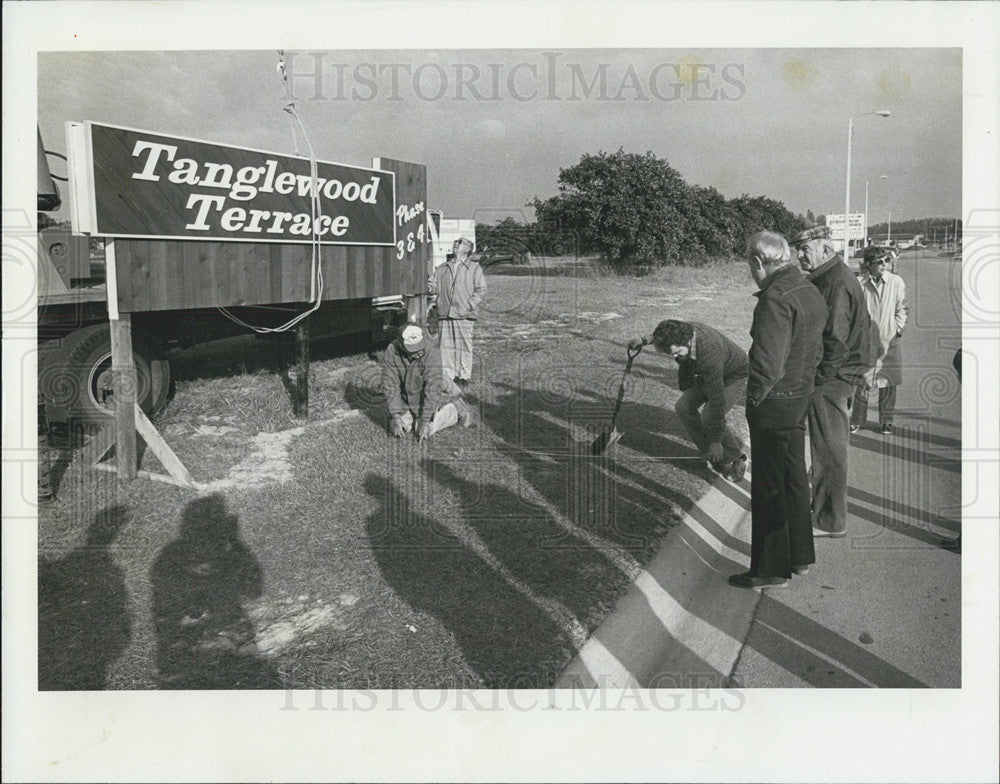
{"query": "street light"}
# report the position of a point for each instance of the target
(847, 193)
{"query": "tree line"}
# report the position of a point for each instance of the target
(638, 213)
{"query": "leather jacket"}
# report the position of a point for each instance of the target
(787, 333)
(847, 345)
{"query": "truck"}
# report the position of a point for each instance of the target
(443, 233)
(74, 341)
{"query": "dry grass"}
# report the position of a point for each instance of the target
(335, 557)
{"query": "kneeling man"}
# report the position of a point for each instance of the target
(417, 394)
(712, 375)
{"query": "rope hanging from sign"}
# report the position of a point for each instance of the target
(316, 278)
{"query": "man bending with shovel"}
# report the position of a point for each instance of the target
(712, 375)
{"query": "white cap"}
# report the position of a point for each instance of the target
(413, 338)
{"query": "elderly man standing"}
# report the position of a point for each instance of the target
(459, 286)
(787, 347)
(885, 296)
(847, 357)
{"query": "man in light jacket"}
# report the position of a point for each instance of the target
(459, 287)
(885, 296)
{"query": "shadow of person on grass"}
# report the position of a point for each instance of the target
(500, 631)
(552, 561)
(83, 619)
(200, 581)
(596, 492)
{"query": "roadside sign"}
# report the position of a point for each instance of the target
(856, 225)
(141, 184)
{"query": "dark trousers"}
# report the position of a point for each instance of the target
(829, 434)
(781, 532)
(693, 412)
(886, 405)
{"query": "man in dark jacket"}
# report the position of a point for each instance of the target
(417, 394)
(711, 373)
(847, 357)
(787, 334)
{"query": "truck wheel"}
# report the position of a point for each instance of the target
(88, 364)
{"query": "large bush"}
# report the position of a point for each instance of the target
(637, 212)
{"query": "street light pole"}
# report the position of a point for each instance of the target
(865, 238)
(847, 191)
(888, 205)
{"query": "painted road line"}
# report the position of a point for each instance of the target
(680, 622)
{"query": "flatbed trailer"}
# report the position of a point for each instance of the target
(182, 293)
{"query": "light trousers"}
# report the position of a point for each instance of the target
(456, 347)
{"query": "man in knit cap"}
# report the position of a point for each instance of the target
(459, 287)
(418, 396)
(847, 357)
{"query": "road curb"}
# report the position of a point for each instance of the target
(680, 623)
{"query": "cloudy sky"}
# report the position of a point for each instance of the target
(494, 127)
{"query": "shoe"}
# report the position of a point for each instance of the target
(955, 545)
(855, 428)
(887, 429)
(830, 534)
(747, 580)
(737, 470)
(464, 413)
(801, 571)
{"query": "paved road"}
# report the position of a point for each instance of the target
(881, 608)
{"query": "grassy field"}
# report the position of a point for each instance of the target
(324, 554)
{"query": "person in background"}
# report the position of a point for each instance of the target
(787, 347)
(885, 297)
(459, 287)
(418, 396)
(712, 376)
(847, 357)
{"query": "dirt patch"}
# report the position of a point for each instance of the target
(268, 460)
(281, 625)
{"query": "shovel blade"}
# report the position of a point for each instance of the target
(605, 441)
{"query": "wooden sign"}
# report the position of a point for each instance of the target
(163, 275)
(412, 248)
(139, 184)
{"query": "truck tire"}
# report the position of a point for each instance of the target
(88, 366)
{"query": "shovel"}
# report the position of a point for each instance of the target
(611, 435)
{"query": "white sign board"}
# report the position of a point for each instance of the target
(856, 225)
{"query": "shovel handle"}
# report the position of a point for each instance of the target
(632, 354)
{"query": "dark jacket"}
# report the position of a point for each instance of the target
(713, 363)
(847, 347)
(787, 334)
(413, 384)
